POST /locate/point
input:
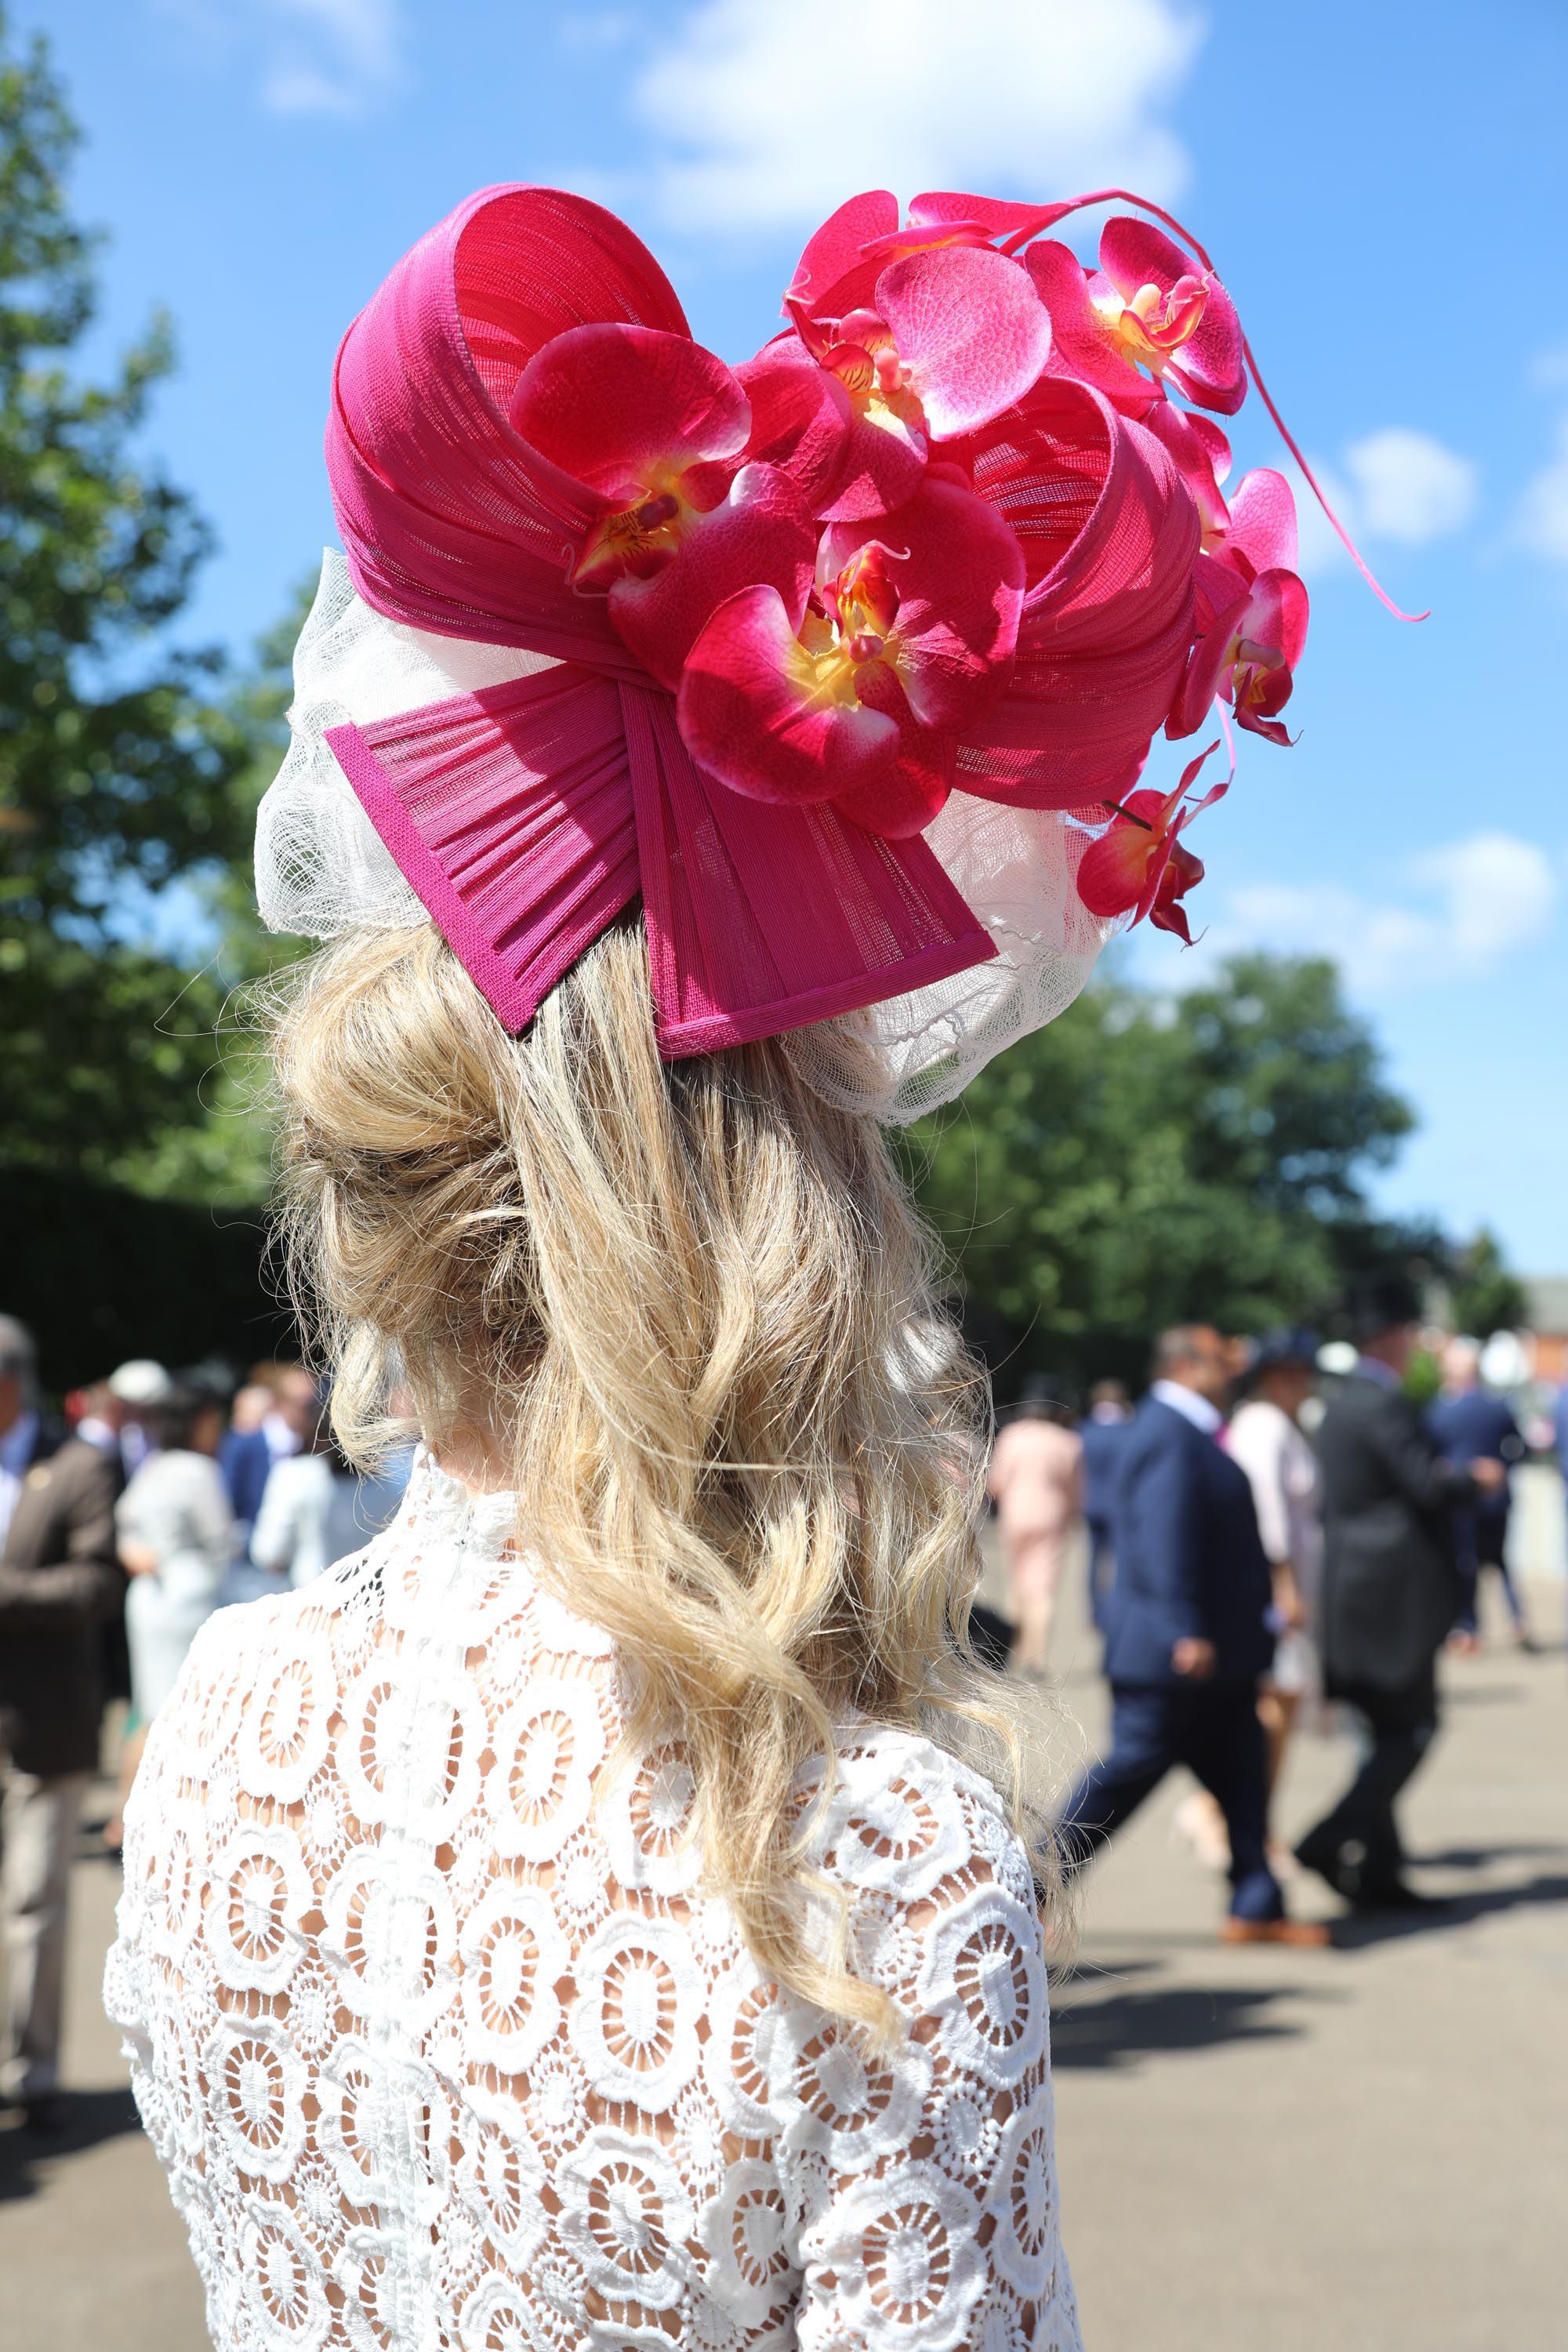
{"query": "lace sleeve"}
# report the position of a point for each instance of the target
(160, 1983)
(921, 2188)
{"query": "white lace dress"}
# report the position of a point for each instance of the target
(442, 2046)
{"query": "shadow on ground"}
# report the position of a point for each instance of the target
(87, 2119)
(1363, 1929)
(1107, 2029)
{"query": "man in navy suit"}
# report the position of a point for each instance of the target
(1187, 1634)
(1470, 1424)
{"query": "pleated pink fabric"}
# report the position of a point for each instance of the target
(527, 816)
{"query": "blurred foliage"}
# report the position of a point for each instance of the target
(1143, 1162)
(107, 1274)
(119, 759)
(220, 1148)
(1483, 1295)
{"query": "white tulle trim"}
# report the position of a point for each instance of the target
(322, 870)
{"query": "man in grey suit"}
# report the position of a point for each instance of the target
(1390, 1591)
(59, 1580)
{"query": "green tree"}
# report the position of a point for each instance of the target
(1141, 1161)
(219, 1148)
(1483, 1295)
(118, 759)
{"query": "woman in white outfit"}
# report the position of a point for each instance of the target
(177, 1540)
(597, 1918)
(316, 1508)
(561, 1925)
(1265, 1437)
(176, 1535)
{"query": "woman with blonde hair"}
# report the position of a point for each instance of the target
(602, 1912)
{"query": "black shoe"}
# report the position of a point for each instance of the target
(1394, 1895)
(1332, 1864)
(45, 2115)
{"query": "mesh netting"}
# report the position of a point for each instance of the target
(320, 866)
(912, 1053)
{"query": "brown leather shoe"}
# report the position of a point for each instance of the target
(1305, 1935)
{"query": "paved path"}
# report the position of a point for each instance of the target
(1363, 2150)
(1261, 2151)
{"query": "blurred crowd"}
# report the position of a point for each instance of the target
(155, 1499)
(1274, 1527)
(1278, 1529)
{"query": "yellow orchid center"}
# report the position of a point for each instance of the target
(1155, 323)
(849, 624)
(865, 359)
(1254, 666)
(638, 540)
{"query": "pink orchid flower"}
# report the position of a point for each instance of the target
(1149, 314)
(1201, 455)
(1252, 611)
(657, 429)
(858, 695)
(930, 332)
(1139, 864)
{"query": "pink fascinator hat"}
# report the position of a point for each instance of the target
(845, 663)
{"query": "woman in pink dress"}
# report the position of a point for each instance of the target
(1036, 1485)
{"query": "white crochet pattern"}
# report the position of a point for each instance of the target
(442, 2044)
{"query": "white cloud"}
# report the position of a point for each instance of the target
(1395, 484)
(330, 56)
(1411, 487)
(1541, 523)
(1465, 906)
(317, 57)
(1549, 369)
(765, 115)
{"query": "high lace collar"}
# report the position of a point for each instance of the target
(482, 1525)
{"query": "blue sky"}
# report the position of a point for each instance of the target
(1383, 187)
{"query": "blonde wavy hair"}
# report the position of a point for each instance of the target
(691, 1308)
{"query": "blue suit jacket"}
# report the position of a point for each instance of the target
(1102, 1444)
(1189, 1561)
(1475, 1425)
(245, 1460)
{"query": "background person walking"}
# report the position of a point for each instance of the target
(1186, 1632)
(60, 1581)
(1391, 1590)
(1468, 1422)
(1036, 1484)
(177, 1537)
(1265, 1438)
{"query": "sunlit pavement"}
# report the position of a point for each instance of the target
(1360, 2150)
(1367, 2148)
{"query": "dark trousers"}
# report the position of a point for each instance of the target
(1101, 1571)
(1213, 1729)
(1359, 1839)
(1479, 1537)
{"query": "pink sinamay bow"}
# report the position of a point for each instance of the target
(947, 531)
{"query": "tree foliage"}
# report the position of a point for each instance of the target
(1483, 1295)
(118, 758)
(1144, 1160)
